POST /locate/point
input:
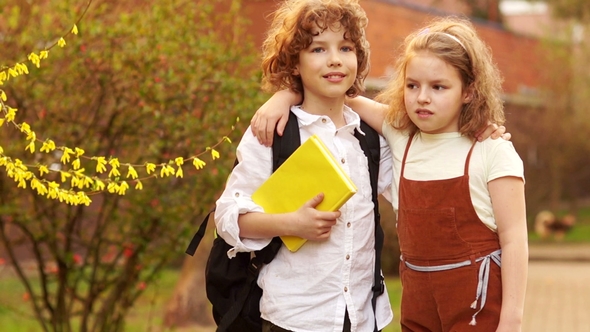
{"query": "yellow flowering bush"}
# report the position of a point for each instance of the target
(133, 91)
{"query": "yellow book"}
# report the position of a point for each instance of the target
(310, 170)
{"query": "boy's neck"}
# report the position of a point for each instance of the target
(332, 108)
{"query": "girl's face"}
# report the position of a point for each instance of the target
(328, 66)
(433, 94)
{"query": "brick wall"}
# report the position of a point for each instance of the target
(391, 21)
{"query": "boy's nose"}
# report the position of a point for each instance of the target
(334, 61)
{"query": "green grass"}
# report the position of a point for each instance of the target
(579, 233)
(16, 314)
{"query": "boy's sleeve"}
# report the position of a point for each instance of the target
(254, 167)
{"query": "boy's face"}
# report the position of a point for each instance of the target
(433, 94)
(328, 66)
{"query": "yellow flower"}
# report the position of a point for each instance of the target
(76, 163)
(100, 164)
(44, 54)
(3, 96)
(75, 30)
(43, 170)
(65, 157)
(179, 172)
(179, 161)
(150, 168)
(214, 154)
(166, 170)
(21, 68)
(99, 185)
(114, 162)
(79, 152)
(114, 172)
(34, 58)
(131, 172)
(31, 147)
(48, 146)
(122, 188)
(65, 176)
(61, 42)
(1, 122)
(88, 181)
(138, 185)
(198, 163)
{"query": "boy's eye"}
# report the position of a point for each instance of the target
(438, 87)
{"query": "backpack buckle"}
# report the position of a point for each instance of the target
(254, 266)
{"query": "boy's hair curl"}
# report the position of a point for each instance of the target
(291, 31)
(473, 60)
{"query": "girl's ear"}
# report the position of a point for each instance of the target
(296, 71)
(468, 95)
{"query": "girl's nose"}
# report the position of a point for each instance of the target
(423, 97)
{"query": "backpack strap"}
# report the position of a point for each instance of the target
(196, 240)
(282, 148)
(371, 146)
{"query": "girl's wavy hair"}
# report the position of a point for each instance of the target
(473, 60)
(292, 30)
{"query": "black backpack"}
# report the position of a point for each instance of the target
(231, 284)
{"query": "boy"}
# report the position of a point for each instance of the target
(317, 48)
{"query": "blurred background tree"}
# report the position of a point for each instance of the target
(552, 137)
(143, 81)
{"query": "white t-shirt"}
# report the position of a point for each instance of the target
(443, 156)
(309, 290)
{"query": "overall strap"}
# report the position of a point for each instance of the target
(371, 145)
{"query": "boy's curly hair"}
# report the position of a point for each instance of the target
(292, 30)
(473, 60)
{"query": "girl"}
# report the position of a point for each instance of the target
(460, 203)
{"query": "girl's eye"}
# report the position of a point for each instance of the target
(438, 87)
(347, 49)
(411, 86)
(317, 50)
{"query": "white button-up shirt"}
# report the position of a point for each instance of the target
(310, 289)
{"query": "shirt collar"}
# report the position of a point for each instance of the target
(353, 120)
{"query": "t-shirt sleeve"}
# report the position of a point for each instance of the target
(503, 160)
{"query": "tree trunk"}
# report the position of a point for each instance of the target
(189, 305)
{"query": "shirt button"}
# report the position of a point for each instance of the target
(345, 289)
(347, 257)
(342, 160)
(324, 120)
(348, 224)
(237, 194)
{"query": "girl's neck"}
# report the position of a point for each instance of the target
(332, 108)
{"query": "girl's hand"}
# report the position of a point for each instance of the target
(273, 113)
(494, 131)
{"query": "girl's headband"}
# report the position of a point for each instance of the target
(427, 30)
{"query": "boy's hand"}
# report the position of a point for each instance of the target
(312, 224)
(494, 131)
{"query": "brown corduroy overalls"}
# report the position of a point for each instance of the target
(443, 245)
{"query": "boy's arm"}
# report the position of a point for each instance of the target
(307, 223)
(507, 194)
